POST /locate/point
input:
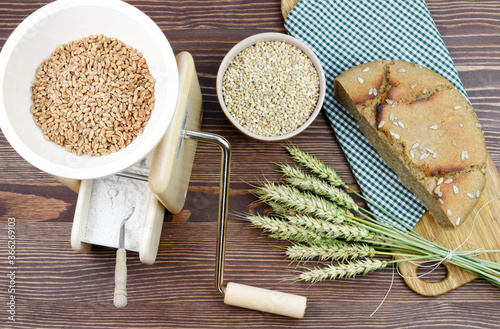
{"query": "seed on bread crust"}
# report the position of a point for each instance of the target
(426, 138)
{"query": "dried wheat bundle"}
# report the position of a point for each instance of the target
(315, 213)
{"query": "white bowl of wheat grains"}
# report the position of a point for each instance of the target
(61, 22)
(271, 86)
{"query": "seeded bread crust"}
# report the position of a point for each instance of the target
(424, 129)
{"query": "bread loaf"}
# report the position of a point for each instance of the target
(424, 129)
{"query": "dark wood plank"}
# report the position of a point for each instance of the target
(59, 288)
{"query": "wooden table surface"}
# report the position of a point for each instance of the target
(56, 287)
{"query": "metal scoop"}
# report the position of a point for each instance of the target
(120, 295)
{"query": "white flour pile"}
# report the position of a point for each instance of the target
(111, 201)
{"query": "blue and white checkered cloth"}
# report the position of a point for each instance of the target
(346, 33)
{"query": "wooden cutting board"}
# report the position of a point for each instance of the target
(485, 234)
(484, 231)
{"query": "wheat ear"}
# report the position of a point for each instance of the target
(331, 230)
(305, 182)
(317, 166)
(280, 210)
(335, 251)
(347, 270)
(282, 230)
(302, 202)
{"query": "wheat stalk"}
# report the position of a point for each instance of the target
(346, 270)
(332, 230)
(309, 217)
(280, 210)
(281, 229)
(309, 183)
(333, 251)
(300, 202)
(317, 166)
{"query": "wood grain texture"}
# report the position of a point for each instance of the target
(479, 231)
(59, 288)
(287, 6)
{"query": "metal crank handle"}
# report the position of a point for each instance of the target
(238, 294)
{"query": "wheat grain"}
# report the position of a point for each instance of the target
(93, 96)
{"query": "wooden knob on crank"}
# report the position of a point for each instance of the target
(120, 296)
(265, 300)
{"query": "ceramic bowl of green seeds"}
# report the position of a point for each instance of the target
(271, 86)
